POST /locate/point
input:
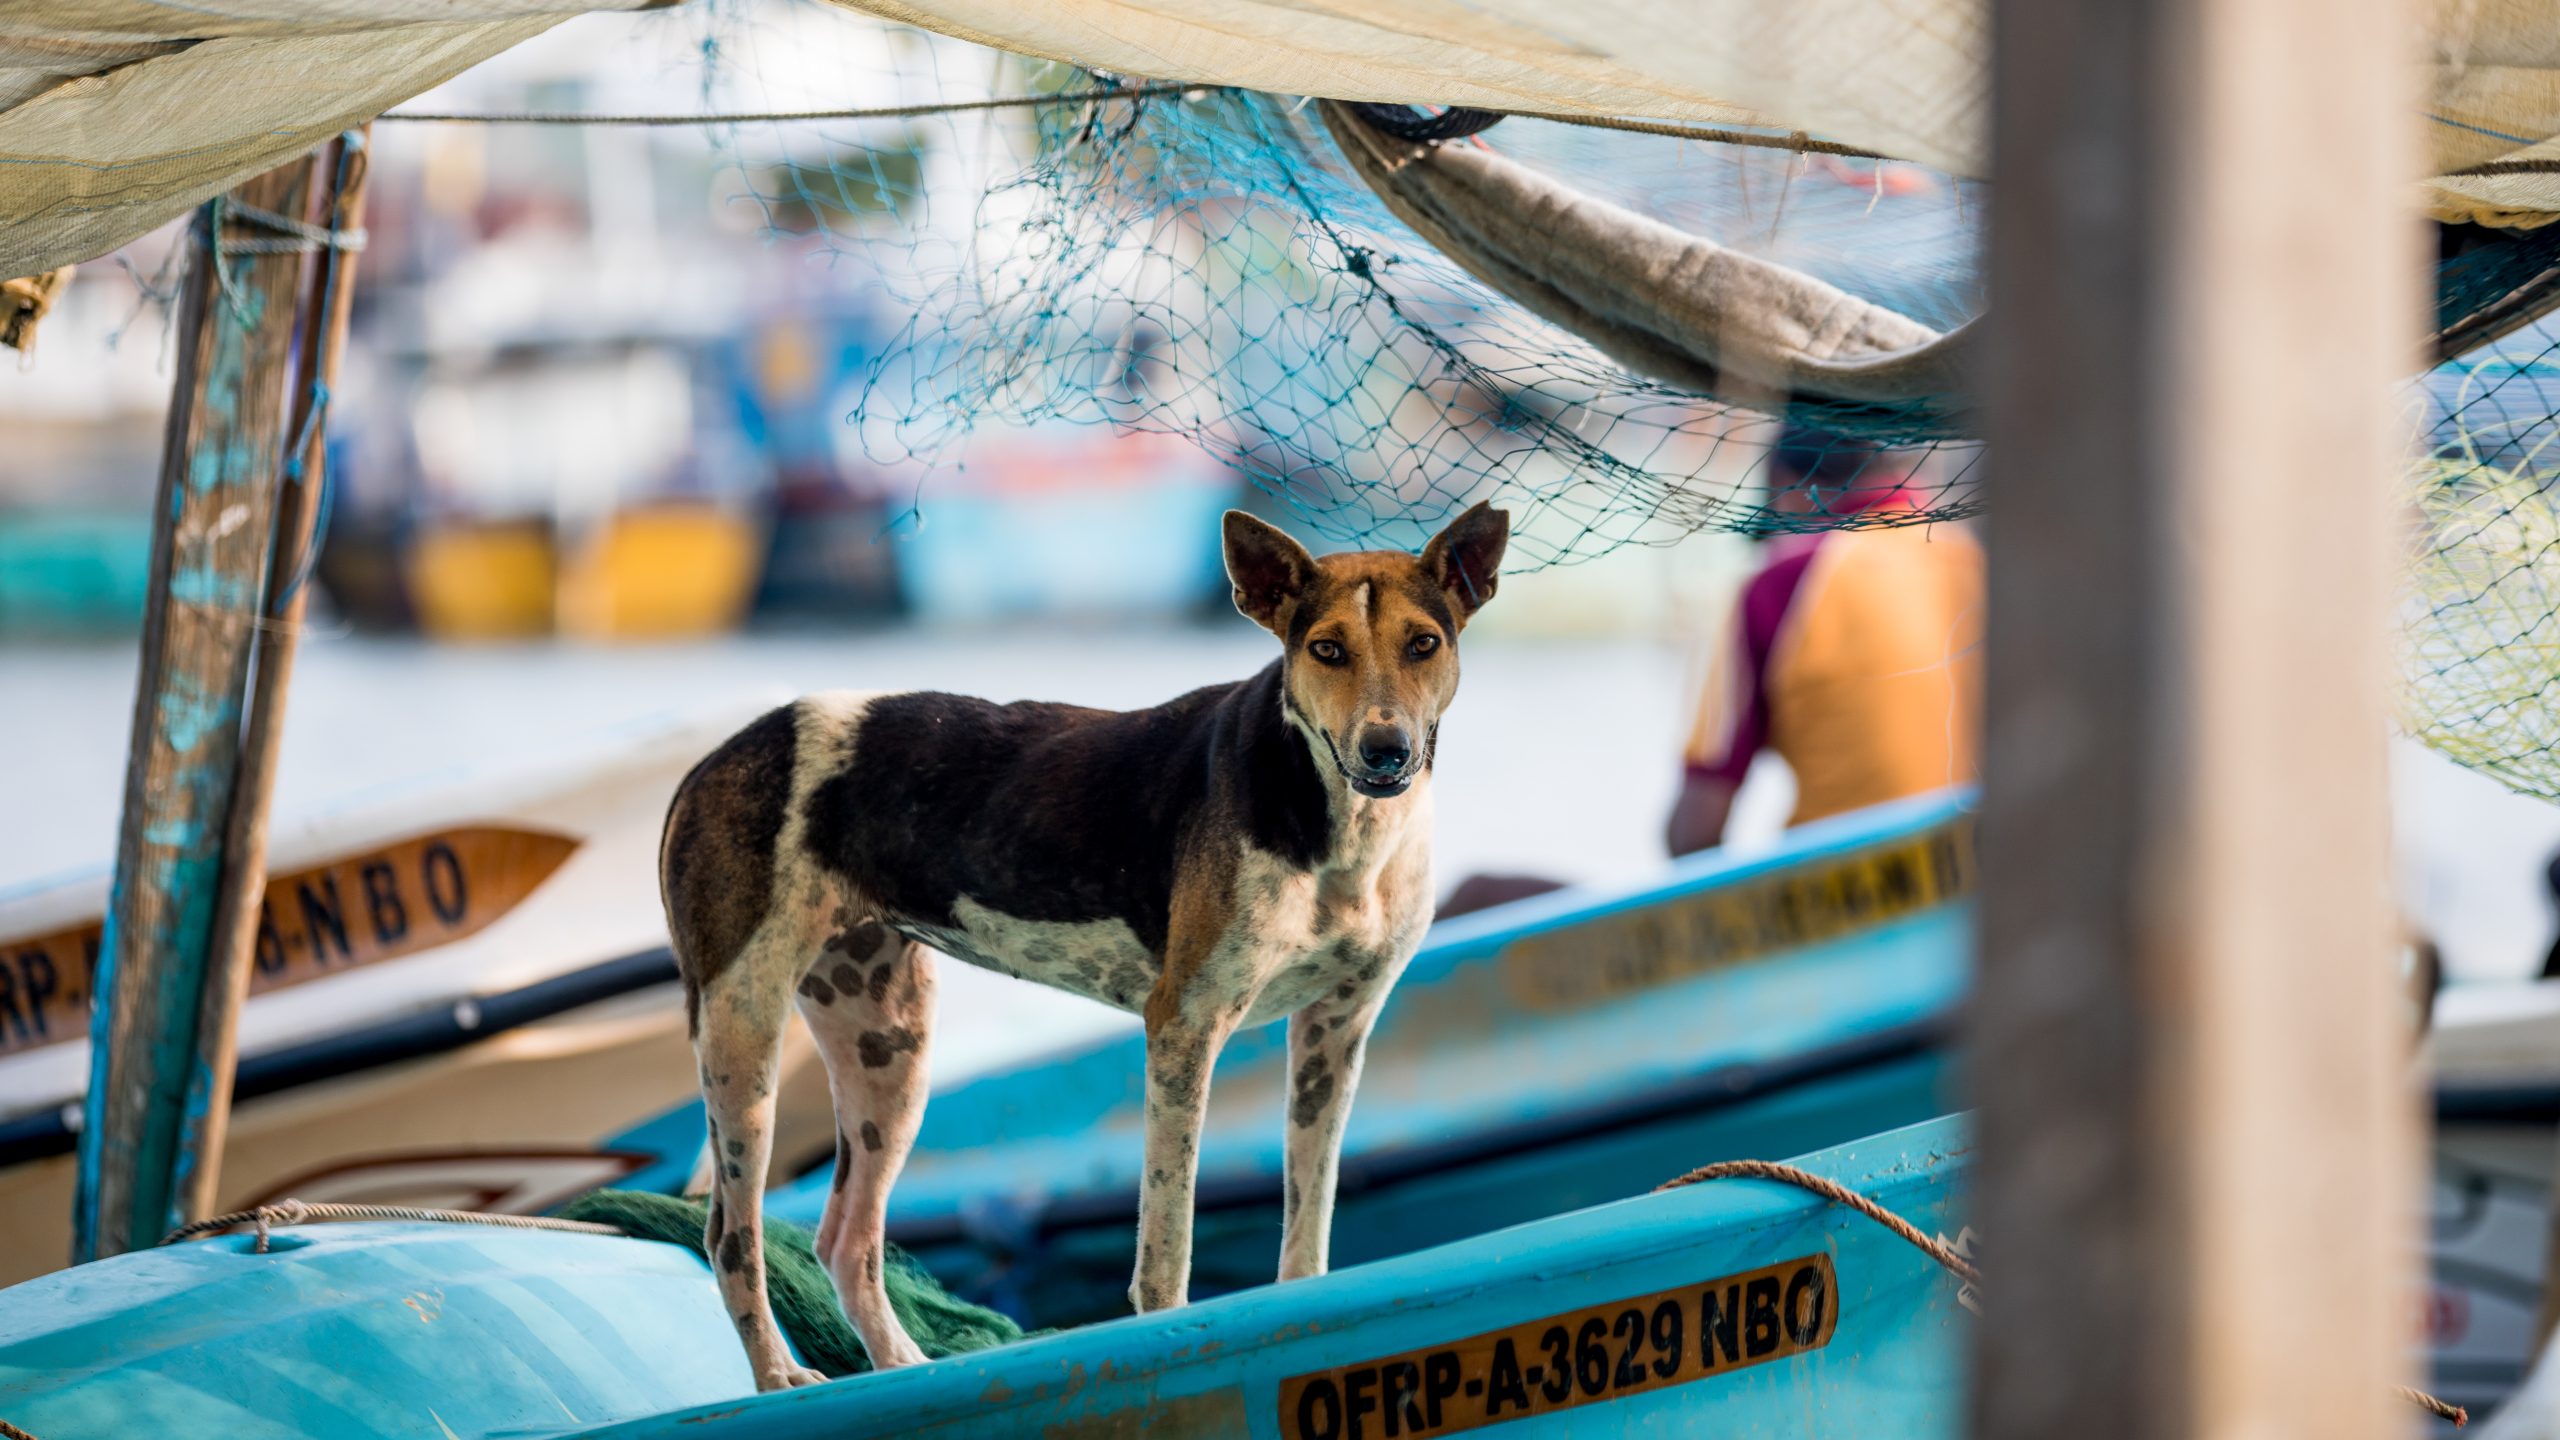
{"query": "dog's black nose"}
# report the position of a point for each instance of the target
(1384, 749)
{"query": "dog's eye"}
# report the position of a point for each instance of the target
(1422, 645)
(1328, 651)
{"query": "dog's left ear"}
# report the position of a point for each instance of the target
(1268, 569)
(1466, 559)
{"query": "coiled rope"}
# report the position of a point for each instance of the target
(1936, 1249)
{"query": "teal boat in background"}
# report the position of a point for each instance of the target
(1740, 1308)
(1539, 1057)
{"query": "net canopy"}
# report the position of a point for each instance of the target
(1182, 249)
(1201, 263)
(2481, 625)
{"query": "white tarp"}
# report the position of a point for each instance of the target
(116, 115)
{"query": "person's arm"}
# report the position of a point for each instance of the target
(1731, 724)
(1698, 815)
(1733, 707)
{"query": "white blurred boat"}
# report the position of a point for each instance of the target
(463, 999)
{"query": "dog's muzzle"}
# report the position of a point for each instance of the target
(1382, 762)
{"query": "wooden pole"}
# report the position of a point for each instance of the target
(240, 906)
(209, 546)
(2196, 1165)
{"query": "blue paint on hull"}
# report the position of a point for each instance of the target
(350, 1331)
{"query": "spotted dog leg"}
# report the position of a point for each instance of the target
(1325, 1041)
(869, 1002)
(1182, 1047)
(739, 1044)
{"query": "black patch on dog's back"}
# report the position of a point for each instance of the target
(719, 847)
(1057, 812)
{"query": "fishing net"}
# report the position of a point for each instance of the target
(2481, 631)
(1144, 259)
(1200, 264)
(804, 1298)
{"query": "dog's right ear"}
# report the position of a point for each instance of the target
(1269, 570)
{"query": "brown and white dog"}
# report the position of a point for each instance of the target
(1245, 852)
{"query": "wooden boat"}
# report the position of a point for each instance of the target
(1737, 1307)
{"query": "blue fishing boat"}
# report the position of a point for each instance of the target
(1555, 1053)
(1749, 1307)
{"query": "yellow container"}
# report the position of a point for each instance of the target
(483, 580)
(661, 571)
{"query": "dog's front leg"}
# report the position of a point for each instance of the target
(1325, 1041)
(1182, 1048)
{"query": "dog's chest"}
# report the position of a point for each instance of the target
(1299, 936)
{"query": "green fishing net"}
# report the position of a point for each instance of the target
(804, 1299)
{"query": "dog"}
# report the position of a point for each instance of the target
(1247, 851)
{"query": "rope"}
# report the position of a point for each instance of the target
(309, 560)
(1398, 120)
(12, 1432)
(2508, 167)
(884, 112)
(2443, 1410)
(1837, 1194)
(1936, 1249)
(1795, 140)
(296, 1212)
(298, 236)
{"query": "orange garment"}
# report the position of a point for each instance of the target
(1857, 656)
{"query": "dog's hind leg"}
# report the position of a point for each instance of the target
(739, 1045)
(869, 1002)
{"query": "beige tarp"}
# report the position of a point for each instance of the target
(1903, 77)
(117, 114)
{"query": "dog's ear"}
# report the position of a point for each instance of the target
(1465, 559)
(1268, 568)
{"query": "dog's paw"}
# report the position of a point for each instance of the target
(904, 1352)
(790, 1378)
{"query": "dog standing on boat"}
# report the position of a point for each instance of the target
(1245, 852)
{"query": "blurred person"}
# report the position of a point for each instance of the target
(1854, 653)
(2551, 887)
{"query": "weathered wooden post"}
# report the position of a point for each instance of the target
(344, 166)
(2196, 1195)
(144, 1125)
